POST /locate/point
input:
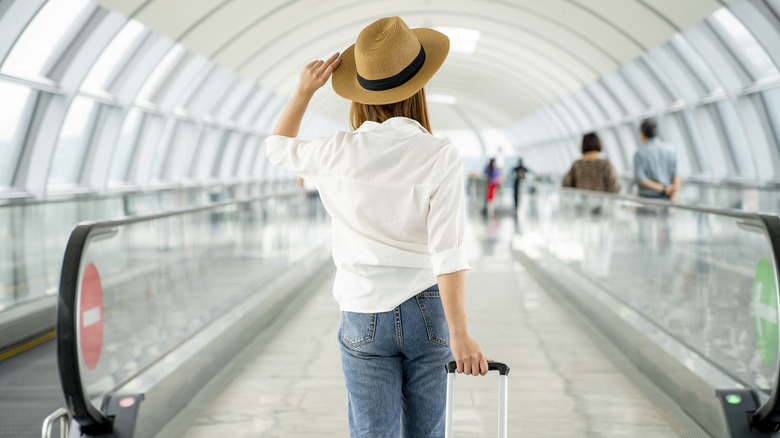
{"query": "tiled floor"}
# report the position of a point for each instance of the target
(561, 384)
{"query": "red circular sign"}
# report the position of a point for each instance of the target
(91, 315)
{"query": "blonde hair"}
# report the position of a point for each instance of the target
(414, 107)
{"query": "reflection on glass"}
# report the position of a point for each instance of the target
(694, 61)
(248, 156)
(746, 46)
(165, 279)
(108, 61)
(160, 72)
(228, 163)
(691, 273)
(207, 152)
(182, 152)
(14, 99)
(123, 151)
(42, 36)
(74, 135)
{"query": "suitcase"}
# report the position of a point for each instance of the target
(503, 370)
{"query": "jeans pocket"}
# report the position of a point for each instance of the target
(357, 328)
(433, 315)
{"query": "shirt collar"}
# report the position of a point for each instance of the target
(395, 127)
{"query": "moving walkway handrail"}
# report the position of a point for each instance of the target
(651, 201)
(91, 420)
(767, 417)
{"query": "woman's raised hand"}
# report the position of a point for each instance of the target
(316, 74)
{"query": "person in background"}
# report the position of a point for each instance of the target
(493, 178)
(655, 165)
(395, 196)
(518, 174)
(592, 172)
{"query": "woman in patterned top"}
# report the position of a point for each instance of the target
(592, 172)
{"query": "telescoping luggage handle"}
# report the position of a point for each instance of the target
(503, 370)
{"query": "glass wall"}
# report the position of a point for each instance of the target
(88, 93)
(713, 86)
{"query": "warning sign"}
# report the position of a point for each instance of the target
(91, 316)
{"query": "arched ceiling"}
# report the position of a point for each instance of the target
(529, 52)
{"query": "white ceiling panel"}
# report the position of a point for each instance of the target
(685, 13)
(174, 17)
(631, 18)
(125, 7)
(530, 52)
(225, 24)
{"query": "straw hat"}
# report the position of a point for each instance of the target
(389, 62)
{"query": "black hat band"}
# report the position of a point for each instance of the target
(397, 80)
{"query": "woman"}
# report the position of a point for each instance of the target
(493, 177)
(395, 196)
(592, 172)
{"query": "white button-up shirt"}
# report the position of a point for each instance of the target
(395, 196)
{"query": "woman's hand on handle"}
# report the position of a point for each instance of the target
(468, 355)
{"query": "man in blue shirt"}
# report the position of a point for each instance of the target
(655, 165)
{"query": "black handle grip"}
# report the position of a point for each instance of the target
(501, 367)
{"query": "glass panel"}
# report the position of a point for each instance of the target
(41, 37)
(743, 44)
(679, 79)
(708, 47)
(600, 94)
(75, 134)
(228, 162)
(629, 142)
(187, 270)
(740, 151)
(628, 97)
(161, 148)
(595, 113)
(182, 151)
(161, 71)
(759, 135)
(646, 85)
(14, 101)
(711, 136)
(700, 277)
(611, 149)
(570, 106)
(695, 62)
(248, 156)
(772, 102)
(123, 152)
(207, 153)
(672, 132)
(150, 136)
(109, 60)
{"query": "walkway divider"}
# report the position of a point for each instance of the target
(688, 293)
(150, 307)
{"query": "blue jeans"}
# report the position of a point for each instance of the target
(394, 368)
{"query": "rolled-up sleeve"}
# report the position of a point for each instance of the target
(447, 218)
(299, 156)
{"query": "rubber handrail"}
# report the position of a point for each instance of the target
(651, 201)
(765, 418)
(91, 420)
